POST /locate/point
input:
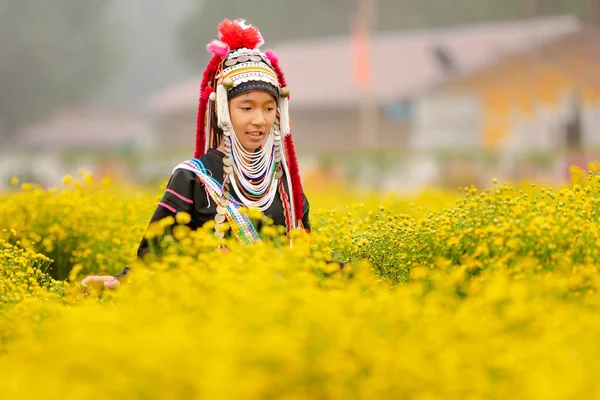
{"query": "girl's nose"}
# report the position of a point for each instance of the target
(259, 119)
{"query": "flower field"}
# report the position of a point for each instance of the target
(462, 294)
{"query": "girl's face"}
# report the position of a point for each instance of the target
(252, 115)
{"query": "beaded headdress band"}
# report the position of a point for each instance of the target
(238, 66)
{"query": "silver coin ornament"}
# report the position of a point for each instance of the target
(221, 210)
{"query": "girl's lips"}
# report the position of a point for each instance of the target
(255, 136)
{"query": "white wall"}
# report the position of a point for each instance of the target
(446, 121)
(46, 168)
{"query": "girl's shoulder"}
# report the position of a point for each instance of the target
(211, 161)
(207, 165)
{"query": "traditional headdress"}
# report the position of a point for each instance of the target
(238, 66)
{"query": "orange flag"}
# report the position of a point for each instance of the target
(362, 59)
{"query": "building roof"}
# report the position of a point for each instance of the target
(82, 129)
(572, 56)
(402, 62)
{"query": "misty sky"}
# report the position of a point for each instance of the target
(149, 41)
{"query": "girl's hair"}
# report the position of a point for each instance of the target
(218, 132)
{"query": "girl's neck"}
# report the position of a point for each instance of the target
(221, 147)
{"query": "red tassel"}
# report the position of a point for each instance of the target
(209, 76)
(289, 149)
(280, 75)
(286, 210)
(295, 175)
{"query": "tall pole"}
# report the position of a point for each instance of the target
(531, 11)
(592, 12)
(369, 110)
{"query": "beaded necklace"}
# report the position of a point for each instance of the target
(253, 175)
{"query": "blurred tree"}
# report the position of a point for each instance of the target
(149, 45)
(273, 17)
(293, 19)
(53, 54)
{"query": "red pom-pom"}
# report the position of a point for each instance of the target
(218, 49)
(206, 93)
(237, 34)
(272, 56)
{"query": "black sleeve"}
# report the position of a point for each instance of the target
(178, 197)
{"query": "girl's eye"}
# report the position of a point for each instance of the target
(270, 109)
(246, 108)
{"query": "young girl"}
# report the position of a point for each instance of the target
(244, 153)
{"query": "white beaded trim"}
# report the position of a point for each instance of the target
(253, 76)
